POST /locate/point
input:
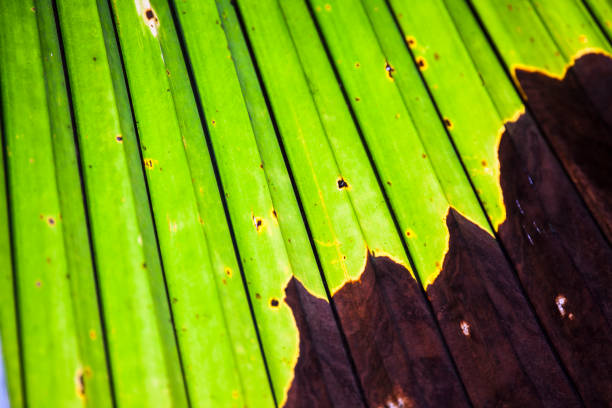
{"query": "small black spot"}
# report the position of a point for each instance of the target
(342, 184)
(149, 14)
(144, 265)
(357, 99)
(119, 138)
(274, 302)
(390, 70)
(81, 381)
(448, 123)
(257, 296)
(95, 59)
(51, 221)
(421, 63)
(274, 214)
(258, 222)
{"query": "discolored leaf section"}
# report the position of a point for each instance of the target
(562, 259)
(397, 350)
(573, 117)
(323, 375)
(501, 353)
(594, 72)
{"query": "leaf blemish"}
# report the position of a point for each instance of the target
(79, 383)
(389, 70)
(258, 222)
(150, 18)
(421, 63)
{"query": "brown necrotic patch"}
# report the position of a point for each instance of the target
(421, 63)
(389, 70)
(576, 115)
(501, 353)
(398, 352)
(562, 259)
(342, 184)
(322, 375)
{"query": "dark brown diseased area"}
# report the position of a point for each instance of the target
(500, 351)
(563, 261)
(322, 376)
(576, 116)
(393, 339)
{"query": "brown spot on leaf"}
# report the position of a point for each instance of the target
(398, 353)
(562, 259)
(342, 184)
(274, 302)
(575, 114)
(489, 327)
(258, 222)
(51, 221)
(389, 70)
(80, 384)
(411, 41)
(322, 375)
(421, 63)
